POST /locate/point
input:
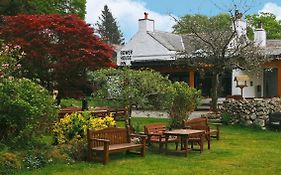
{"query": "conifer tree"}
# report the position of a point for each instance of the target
(108, 29)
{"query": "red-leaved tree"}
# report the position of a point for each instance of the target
(59, 49)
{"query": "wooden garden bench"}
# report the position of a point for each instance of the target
(155, 135)
(103, 142)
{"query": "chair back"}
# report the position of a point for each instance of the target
(196, 123)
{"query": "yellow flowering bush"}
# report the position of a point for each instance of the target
(75, 125)
(101, 123)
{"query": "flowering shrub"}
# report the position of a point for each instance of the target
(75, 125)
(10, 57)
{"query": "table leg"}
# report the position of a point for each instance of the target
(185, 144)
(201, 142)
(166, 143)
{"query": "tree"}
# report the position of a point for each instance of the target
(128, 88)
(59, 50)
(222, 20)
(217, 46)
(145, 88)
(14, 7)
(108, 29)
(269, 22)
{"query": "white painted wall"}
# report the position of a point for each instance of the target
(250, 91)
(144, 47)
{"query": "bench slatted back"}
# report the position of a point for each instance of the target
(157, 128)
(197, 123)
(115, 135)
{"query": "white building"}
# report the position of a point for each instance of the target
(159, 50)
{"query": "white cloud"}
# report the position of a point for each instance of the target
(127, 13)
(272, 8)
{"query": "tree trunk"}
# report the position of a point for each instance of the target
(214, 92)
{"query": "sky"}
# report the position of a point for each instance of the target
(127, 12)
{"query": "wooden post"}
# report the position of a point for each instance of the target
(279, 80)
(191, 78)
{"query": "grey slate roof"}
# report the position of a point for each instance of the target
(189, 43)
(175, 42)
(273, 47)
(172, 42)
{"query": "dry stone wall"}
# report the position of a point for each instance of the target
(250, 112)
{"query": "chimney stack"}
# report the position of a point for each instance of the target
(260, 36)
(146, 25)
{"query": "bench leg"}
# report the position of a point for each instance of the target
(208, 137)
(105, 157)
(143, 151)
(160, 147)
(218, 135)
(143, 148)
(90, 155)
(201, 143)
(106, 153)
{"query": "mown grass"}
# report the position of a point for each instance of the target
(241, 151)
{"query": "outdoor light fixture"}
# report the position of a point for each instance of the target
(241, 82)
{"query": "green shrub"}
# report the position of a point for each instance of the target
(183, 101)
(9, 163)
(25, 108)
(226, 118)
(128, 88)
(76, 149)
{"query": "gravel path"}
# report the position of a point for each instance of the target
(161, 114)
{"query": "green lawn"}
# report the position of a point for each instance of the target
(240, 151)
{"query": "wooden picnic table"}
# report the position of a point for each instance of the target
(184, 135)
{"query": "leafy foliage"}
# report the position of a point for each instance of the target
(128, 87)
(9, 163)
(14, 7)
(108, 29)
(201, 22)
(59, 50)
(269, 22)
(24, 107)
(184, 101)
(146, 87)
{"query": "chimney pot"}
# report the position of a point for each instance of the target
(260, 25)
(145, 15)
